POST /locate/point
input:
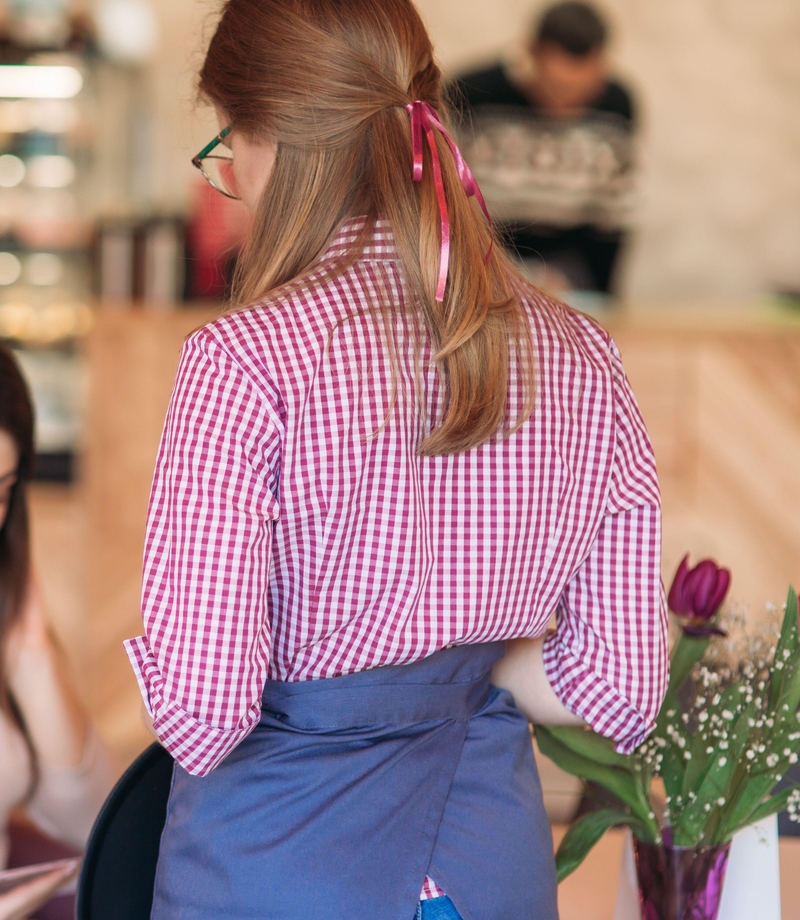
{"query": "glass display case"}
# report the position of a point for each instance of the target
(67, 123)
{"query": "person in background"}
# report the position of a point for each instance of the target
(550, 142)
(53, 766)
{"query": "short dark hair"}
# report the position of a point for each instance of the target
(575, 27)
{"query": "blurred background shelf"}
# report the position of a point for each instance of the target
(81, 230)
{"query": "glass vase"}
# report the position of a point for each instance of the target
(680, 883)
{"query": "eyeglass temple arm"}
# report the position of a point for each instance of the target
(212, 144)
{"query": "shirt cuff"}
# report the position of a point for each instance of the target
(196, 746)
(591, 697)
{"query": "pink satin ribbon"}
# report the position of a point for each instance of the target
(423, 120)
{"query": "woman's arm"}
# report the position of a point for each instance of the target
(608, 659)
(76, 771)
(41, 688)
(204, 657)
(522, 673)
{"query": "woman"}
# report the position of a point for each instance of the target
(51, 762)
(394, 455)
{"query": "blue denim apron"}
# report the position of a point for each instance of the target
(352, 789)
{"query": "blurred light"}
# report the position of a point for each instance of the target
(10, 268)
(14, 320)
(50, 171)
(15, 116)
(37, 81)
(127, 29)
(43, 268)
(44, 325)
(57, 321)
(53, 116)
(12, 170)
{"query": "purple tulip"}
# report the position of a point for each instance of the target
(696, 594)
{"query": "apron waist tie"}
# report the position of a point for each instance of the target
(450, 684)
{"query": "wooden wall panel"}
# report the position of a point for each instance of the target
(723, 411)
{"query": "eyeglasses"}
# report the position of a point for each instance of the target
(217, 168)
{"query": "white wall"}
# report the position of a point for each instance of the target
(719, 88)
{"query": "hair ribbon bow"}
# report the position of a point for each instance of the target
(423, 121)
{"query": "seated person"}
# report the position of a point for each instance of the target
(52, 764)
(551, 146)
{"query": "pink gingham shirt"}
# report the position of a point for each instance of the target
(295, 534)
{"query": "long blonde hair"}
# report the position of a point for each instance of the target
(328, 81)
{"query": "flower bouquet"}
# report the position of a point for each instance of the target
(726, 733)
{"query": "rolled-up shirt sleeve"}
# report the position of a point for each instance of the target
(608, 659)
(202, 661)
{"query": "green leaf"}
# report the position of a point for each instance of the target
(615, 779)
(589, 744)
(672, 770)
(790, 690)
(584, 833)
(789, 628)
(693, 820)
(788, 642)
(771, 806)
(700, 763)
(687, 652)
(741, 732)
(754, 790)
